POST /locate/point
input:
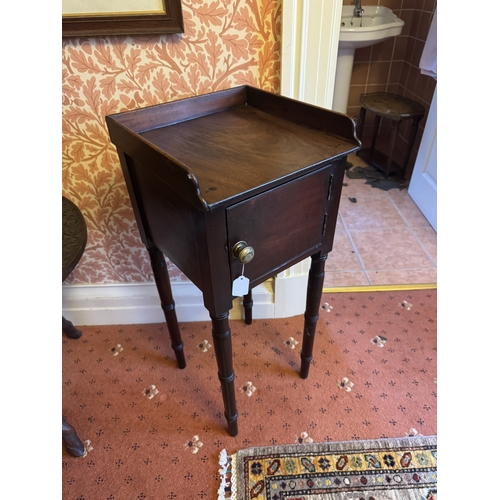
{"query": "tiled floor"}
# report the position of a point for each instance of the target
(382, 239)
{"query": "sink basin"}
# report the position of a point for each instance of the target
(375, 25)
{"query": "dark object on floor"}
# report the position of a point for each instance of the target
(70, 330)
(73, 443)
(397, 109)
(376, 178)
(353, 200)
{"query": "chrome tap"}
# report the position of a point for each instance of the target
(358, 10)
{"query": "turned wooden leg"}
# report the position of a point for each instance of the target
(221, 334)
(73, 443)
(314, 291)
(69, 329)
(167, 303)
(248, 304)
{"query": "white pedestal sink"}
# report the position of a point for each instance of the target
(374, 26)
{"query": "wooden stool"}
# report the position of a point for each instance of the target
(74, 239)
(397, 109)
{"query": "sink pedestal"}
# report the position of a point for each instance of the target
(374, 26)
(345, 60)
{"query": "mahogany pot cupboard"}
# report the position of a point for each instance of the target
(234, 187)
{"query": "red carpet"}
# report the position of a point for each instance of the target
(156, 431)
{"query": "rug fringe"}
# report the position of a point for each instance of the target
(222, 475)
(227, 487)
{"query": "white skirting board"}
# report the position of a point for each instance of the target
(139, 303)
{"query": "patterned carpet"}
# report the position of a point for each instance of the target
(155, 432)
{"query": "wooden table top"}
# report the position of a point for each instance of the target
(235, 151)
(231, 143)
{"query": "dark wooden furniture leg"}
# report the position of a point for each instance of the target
(221, 334)
(167, 303)
(248, 304)
(376, 127)
(411, 141)
(71, 440)
(361, 123)
(394, 134)
(69, 329)
(314, 291)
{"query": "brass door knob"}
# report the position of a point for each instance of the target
(243, 252)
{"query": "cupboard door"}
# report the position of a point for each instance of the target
(280, 224)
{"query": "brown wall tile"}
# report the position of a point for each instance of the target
(363, 55)
(410, 4)
(429, 90)
(394, 88)
(420, 86)
(407, 17)
(379, 73)
(415, 22)
(417, 52)
(405, 71)
(423, 27)
(411, 82)
(354, 93)
(400, 45)
(359, 74)
(395, 72)
(378, 87)
(383, 51)
(392, 4)
(410, 46)
(429, 5)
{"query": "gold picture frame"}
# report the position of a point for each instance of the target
(143, 20)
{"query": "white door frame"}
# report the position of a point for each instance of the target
(310, 40)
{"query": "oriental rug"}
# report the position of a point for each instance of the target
(382, 469)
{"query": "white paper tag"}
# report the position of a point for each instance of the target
(240, 286)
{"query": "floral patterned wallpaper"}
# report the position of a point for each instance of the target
(226, 43)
